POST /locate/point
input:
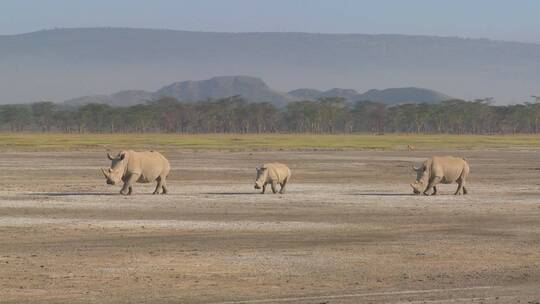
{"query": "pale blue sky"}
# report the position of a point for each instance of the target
(517, 20)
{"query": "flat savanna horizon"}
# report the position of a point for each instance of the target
(261, 142)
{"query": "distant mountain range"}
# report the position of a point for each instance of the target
(250, 88)
(120, 99)
(255, 90)
(388, 96)
(62, 63)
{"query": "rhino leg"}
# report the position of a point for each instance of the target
(459, 187)
(282, 190)
(156, 190)
(164, 188)
(130, 190)
(158, 186)
(274, 187)
(263, 188)
(124, 190)
(127, 184)
(432, 183)
(434, 190)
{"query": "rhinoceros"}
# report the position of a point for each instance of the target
(141, 167)
(273, 174)
(441, 169)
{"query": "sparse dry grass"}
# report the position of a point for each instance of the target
(64, 142)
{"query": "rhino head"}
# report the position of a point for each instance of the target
(115, 173)
(422, 177)
(262, 174)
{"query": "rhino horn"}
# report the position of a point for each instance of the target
(104, 172)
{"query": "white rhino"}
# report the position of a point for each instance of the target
(141, 167)
(273, 174)
(441, 169)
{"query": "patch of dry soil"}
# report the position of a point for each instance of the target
(347, 231)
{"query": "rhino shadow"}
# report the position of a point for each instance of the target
(383, 194)
(232, 193)
(72, 193)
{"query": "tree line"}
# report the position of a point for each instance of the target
(235, 115)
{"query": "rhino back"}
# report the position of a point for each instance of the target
(149, 164)
(448, 167)
(277, 172)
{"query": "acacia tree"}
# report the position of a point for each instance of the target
(235, 115)
(303, 116)
(43, 113)
(263, 117)
(18, 117)
(93, 117)
(166, 113)
(64, 121)
(333, 114)
(369, 116)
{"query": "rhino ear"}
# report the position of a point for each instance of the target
(416, 168)
(122, 156)
(109, 156)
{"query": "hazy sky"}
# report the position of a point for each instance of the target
(516, 20)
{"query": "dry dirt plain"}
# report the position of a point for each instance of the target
(347, 231)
